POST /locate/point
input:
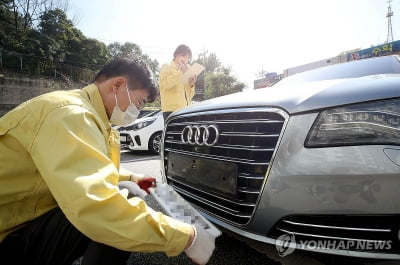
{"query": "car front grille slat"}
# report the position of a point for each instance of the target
(249, 135)
(242, 147)
(231, 146)
(213, 207)
(252, 162)
(179, 186)
(247, 139)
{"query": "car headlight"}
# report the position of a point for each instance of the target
(140, 125)
(359, 124)
(137, 125)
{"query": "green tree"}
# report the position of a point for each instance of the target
(212, 65)
(40, 32)
(93, 54)
(210, 61)
(6, 25)
(17, 43)
(216, 80)
(118, 50)
(56, 29)
(61, 42)
(221, 83)
(26, 13)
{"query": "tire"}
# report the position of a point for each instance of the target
(155, 143)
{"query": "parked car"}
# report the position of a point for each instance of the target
(147, 111)
(314, 158)
(144, 134)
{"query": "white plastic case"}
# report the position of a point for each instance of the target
(177, 207)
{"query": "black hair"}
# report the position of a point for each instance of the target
(136, 70)
(183, 50)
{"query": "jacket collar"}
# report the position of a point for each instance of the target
(97, 103)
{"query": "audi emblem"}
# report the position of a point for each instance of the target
(200, 135)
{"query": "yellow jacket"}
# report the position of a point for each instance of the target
(59, 150)
(174, 94)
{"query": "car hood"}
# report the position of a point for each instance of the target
(307, 97)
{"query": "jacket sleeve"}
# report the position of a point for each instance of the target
(124, 174)
(71, 154)
(169, 77)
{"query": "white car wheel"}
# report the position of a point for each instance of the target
(154, 143)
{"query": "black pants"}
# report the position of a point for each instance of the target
(166, 114)
(52, 240)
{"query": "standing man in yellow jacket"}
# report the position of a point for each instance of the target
(176, 94)
(62, 195)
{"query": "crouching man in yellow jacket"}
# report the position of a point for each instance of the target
(59, 175)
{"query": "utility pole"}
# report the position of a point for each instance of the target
(262, 73)
(389, 16)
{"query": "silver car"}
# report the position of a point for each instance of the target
(310, 163)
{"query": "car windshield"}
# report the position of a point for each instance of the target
(372, 66)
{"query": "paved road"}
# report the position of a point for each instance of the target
(229, 250)
(142, 162)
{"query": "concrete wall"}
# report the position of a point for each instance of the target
(17, 88)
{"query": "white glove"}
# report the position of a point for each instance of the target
(202, 246)
(133, 188)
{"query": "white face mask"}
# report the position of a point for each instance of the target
(122, 118)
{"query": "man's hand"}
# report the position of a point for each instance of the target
(192, 80)
(202, 246)
(133, 188)
(183, 67)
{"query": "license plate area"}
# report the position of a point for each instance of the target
(210, 174)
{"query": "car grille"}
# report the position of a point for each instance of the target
(359, 232)
(247, 141)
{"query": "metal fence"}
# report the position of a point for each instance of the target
(34, 65)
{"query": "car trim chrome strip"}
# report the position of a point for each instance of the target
(226, 121)
(249, 134)
(327, 237)
(237, 134)
(338, 227)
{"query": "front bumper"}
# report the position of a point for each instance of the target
(308, 188)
